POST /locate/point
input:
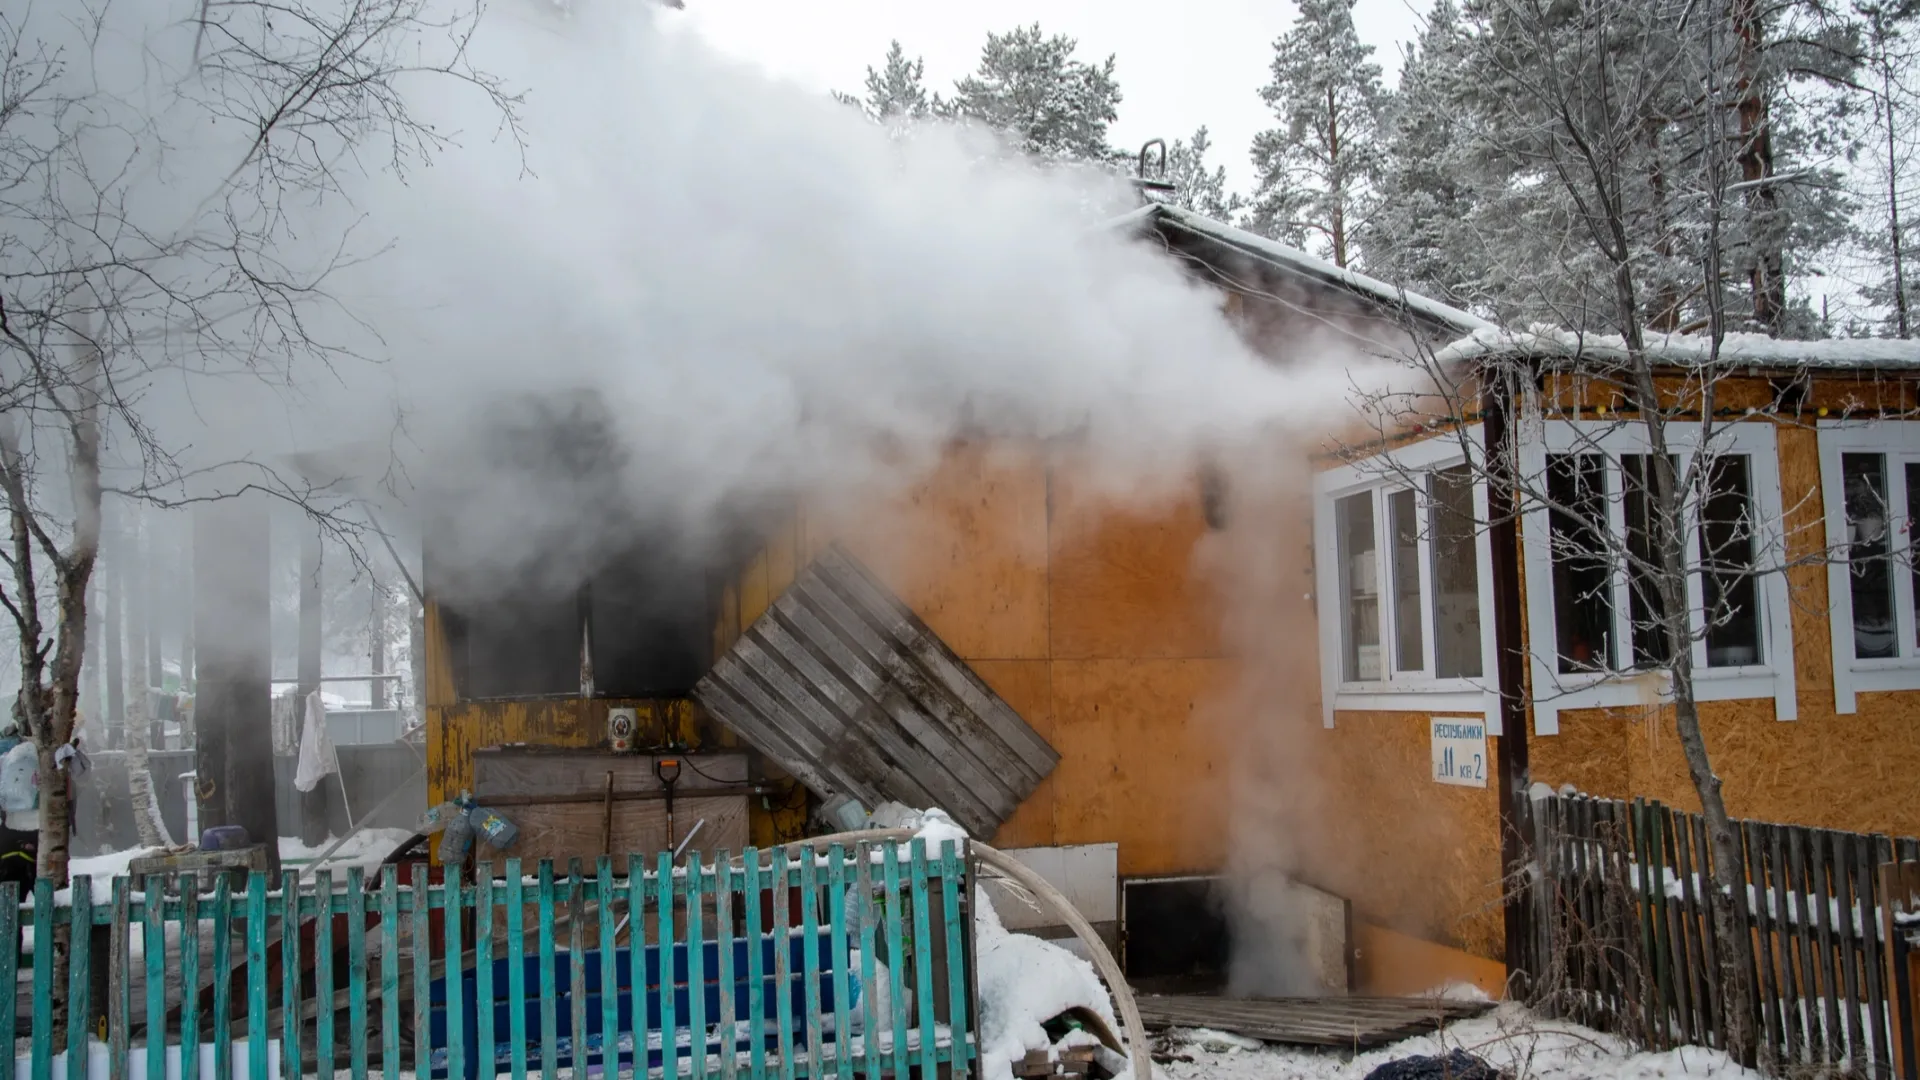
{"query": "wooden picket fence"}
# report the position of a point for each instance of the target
(1625, 941)
(790, 962)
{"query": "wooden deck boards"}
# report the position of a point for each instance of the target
(1355, 1023)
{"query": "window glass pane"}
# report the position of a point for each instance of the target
(1359, 588)
(1582, 573)
(1408, 654)
(1646, 607)
(1727, 549)
(1869, 569)
(1456, 576)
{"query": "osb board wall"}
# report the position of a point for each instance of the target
(1413, 855)
(1087, 614)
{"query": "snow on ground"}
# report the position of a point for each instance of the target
(1509, 1038)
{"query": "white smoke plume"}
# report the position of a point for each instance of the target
(757, 291)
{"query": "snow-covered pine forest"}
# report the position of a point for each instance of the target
(1676, 165)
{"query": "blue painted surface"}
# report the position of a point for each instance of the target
(654, 1002)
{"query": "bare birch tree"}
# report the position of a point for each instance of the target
(162, 170)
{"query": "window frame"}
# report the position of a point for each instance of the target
(1396, 691)
(1898, 441)
(1553, 690)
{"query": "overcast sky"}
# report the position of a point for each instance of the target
(1180, 64)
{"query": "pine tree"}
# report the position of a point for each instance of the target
(1195, 187)
(1419, 232)
(1030, 87)
(1316, 169)
(896, 92)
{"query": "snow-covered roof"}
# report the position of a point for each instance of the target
(1300, 264)
(1691, 350)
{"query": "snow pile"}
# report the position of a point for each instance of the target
(1510, 1039)
(1025, 982)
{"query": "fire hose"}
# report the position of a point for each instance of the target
(1138, 1050)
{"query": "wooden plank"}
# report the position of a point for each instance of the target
(222, 982)
(1853, 999)
(1767, 983)
(922, 955)
(1818, 897)
(290, 998)
(1873, 962)
(1805, 1000)
(357, 972)
(1694, 832)
(257, 1031)
(603, 895)
(810, 957)
(120, 1014)
(724, 936)
(577, 964)
(390, 1063)
(533, 772)
(422, 970)
(549, 988)
(783, 959)
(189, 976)
(870, 1022)
(1351, 1023)
(1900, 895)
(1683, 972)
(576, 830)
(451, 918)
(669, 971)
(756, 968)
(517, 968)
(80, 961)
(697, 1020)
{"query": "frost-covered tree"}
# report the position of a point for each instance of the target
(1886, 229)
(1419, 232)
(1317, 167)
(1030, 86)
(1195, 186)
(896, 91)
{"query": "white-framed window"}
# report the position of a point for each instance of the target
(1404, 581)
(1592, 602)
(1870, 482)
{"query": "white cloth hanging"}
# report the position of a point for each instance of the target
(317, 758)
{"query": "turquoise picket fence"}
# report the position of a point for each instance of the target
(792, 962)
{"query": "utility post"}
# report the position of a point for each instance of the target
(313, 804)
(232, 627)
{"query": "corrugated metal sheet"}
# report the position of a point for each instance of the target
(852, 694)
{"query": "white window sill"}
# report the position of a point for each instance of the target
(1599, 690)
(1456, 696)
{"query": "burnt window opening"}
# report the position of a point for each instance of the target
(514, 647)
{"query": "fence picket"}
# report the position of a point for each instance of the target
(870, 1024)
(922, 956)
(1681, 979)
(80, 961)
(357, 972)
(323, 979)
(1702, 879)
(756, 969)
(577, 964)
(723, 932)
(783, 958)
(609, 969)
(1866, 887)
(289, 979)
(486, 1048)
(669, 976)
(1815, 896)
(257, 976)
(837, 920)
(120, 997)
(1793, 958)
(952, 869)
(422, 915)
(896, 958)
(222, 973)
(1846, 928)
(1767, 982)
(10, 954)
(810, 957)
(517, 969)
(549, 1012)
(637, 957)
(696, 966)
(189, 976)
(390, 1064)
(451, 917)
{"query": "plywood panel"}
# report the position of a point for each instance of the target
(1417, 856)
(966, 549)
(1027, 685)
(454, 732)
(1138, 763)
(563, 831)
(1123, 579)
